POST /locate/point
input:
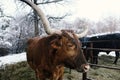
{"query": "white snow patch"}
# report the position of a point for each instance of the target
(11, 59)
(112, 53)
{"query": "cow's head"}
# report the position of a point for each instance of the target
(67, 44)
(69, 52)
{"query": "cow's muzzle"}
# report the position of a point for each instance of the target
(83, 68)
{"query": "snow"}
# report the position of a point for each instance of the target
(112, 53)
(5, 44)
(100, 34)
(13, 58)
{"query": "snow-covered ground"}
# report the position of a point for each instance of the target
(14, 58)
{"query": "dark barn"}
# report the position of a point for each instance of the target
(104, 43)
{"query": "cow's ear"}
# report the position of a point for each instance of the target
(56, 44)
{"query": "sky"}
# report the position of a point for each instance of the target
(8, 6)
(91, 9)
(96, 9)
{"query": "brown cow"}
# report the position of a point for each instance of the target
(48, 55)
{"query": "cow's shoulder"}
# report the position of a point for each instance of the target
(32, 40)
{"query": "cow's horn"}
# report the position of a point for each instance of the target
(40, 13)
(80, 35)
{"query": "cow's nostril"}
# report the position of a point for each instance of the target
(86, 68)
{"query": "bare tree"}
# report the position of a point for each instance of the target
(1, 11)
(36, 21)
(36, 18)
(109, 24)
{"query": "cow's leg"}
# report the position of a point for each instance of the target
(117, 54)
(57, 78)
(61, 76)
(37, 76)
(40, 74)
(95, 57)
(42, 77)
(57, 74)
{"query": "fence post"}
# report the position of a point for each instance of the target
(84, 76)
(91, 52)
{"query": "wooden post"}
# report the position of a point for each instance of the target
(91, 52)
(84, 76)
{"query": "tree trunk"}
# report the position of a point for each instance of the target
(36, 21)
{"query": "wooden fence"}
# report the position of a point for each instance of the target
(84, 76)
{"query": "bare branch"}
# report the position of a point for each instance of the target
(47, 2)
(58, 18)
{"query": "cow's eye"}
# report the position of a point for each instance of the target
(73, 41)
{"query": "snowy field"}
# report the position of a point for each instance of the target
(14, 58)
